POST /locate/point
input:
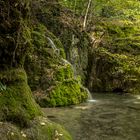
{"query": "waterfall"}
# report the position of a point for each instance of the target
(90, 98)
(51, 43)
(66, 62)
(56, 50)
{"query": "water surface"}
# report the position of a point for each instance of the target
(107, 117)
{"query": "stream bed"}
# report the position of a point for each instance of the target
(107, 117)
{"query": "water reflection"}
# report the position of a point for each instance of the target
(92, 101)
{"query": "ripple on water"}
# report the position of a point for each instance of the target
(92, 101)
(138, 97)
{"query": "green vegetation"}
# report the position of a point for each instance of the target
(68, 92)
(63, 45)
(66, 26)
(111, 32)
(116, 46)
(50, 75)
(114, 56)
(16, 102)
(40, 129)
(18, 109)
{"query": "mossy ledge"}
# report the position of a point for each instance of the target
(16, 101)
(19, 118)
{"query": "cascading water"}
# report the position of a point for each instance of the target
(52, 43)
(56, 50)
(66, 62)
(90, 98)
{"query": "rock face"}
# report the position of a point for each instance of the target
(53, 67)
(106, 58)
(16, 102)
(20, 116)
(66, 26)
(114, 62)
(50, 75)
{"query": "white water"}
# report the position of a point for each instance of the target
(138, 97)
(66, 62)
(90, 98)
(92, 101)
(56, 50)
(52, 43)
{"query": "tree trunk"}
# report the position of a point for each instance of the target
(86, 14)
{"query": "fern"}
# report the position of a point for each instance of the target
(2, 87)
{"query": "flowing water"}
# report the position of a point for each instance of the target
(107, 117)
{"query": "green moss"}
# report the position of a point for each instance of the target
(63, 72)
(115, 71)
(40, 35)
(68, 92)
(114, 59)
(40, 129)
(47, 71)
(16, 102)
(66, 26)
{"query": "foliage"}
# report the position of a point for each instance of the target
(68, 92)
(115, 71)
(48, 72)
(15, 36)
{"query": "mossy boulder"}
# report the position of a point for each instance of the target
(18, 109)
(68, 92)
(16, 101)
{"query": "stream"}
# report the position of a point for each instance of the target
(107, 117)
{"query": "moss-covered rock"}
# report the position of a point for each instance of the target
(40, 129)
(50, 75)
(16, 101)
(18, 108)
(66, 25)
(68, 92)
(114, 58)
